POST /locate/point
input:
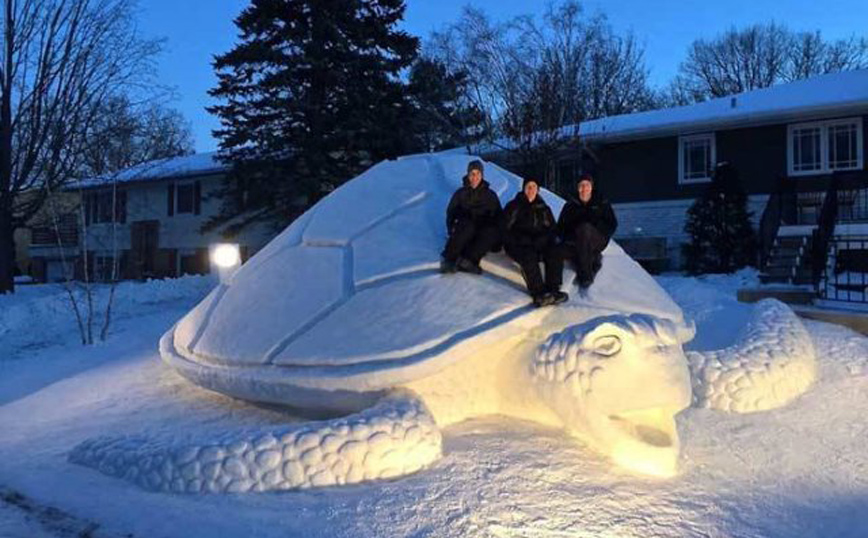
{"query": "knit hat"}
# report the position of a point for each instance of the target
(475, 164)
(527, 180)
(585, 177)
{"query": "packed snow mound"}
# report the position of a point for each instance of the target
(348, 296)
(772, 362)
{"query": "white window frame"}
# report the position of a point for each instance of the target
(824, 145)
(690, 138)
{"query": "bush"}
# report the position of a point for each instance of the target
(718, 223)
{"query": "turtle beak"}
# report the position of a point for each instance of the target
(645, 441)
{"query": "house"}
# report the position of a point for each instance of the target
(793, 145)
(53, 229)
(148, 217)
(788, 142)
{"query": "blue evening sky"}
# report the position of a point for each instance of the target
(195, 30)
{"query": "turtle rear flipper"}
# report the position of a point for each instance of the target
(396, 436)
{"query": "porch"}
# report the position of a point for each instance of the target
(814, 235)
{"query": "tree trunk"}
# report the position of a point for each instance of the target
(7, 249)
(7, 240)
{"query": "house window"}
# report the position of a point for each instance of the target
(104, 268)
(186, 195)
(807, 153)
(99, 205)
(844, 146)
(824, 146)
(696, 158)
(184, 198)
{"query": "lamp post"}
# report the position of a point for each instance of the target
(226, 257)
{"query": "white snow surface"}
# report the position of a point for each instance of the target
(175, 167)
(793, 471)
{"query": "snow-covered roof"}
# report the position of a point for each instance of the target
(843, 92)
(175, 167)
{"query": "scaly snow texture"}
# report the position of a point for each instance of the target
(771, 363)
(395, 437)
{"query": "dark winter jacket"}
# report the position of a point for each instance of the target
(480, 206)
(597, 212)
(528, 224)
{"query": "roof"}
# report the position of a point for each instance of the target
(175, 167)
(843, 92)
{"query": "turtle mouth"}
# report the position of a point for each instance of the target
(645, 441)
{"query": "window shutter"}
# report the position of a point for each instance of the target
(121, 207)
(197, 198)
(171, 199)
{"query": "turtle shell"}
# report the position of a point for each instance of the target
(348, 299)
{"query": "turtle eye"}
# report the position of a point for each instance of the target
(607, 345)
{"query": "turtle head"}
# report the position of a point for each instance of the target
(617, 382)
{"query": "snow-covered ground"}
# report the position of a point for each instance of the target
(801, 470)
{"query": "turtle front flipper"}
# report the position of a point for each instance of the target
(771, 363)
(396, 436)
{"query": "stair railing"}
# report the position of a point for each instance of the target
(773, 215)
(823, 233)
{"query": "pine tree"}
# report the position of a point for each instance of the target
(310, 97)
(718, 223)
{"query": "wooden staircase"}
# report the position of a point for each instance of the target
(789, 261)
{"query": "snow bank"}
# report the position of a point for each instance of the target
(47, 307)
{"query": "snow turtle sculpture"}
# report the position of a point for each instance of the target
(345, 312)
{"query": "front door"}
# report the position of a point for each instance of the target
(144, 242)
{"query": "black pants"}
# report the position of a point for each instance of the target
(471, 241)
(586, 251)
(529, 257)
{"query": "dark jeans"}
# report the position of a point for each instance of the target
(471, 241)
(586, 251)
(529, 257)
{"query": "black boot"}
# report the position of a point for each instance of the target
(543, 299)
(446, 266)
(466, 266)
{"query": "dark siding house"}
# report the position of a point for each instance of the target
(800, 150)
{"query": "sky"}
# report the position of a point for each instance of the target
(196, 30)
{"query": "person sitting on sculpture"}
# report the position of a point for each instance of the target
(530, 236)
(472, 222)
(585, 226)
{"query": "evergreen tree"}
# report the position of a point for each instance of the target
(718, 223)
(443, 117)
(311, 96)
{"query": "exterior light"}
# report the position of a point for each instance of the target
(226, 257)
